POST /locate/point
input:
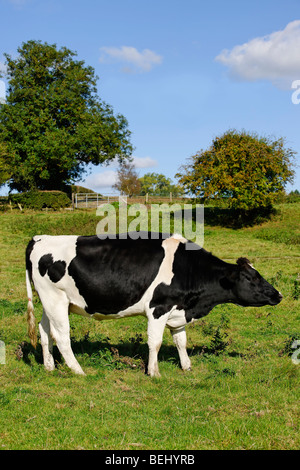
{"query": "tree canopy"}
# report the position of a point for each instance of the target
(127, 180)
(53, 123)
(5, 171)
(157, 184)
(249, 171)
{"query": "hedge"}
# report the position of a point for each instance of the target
(41, 199)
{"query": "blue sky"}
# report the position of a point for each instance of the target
(181, 71)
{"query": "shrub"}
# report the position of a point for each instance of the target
(248, 170)
(41, 199)
(293, 196)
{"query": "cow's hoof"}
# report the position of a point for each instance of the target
(154, 373)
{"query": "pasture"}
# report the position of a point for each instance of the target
(242, 393)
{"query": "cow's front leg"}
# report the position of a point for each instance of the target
(155, 331)
(179, 338)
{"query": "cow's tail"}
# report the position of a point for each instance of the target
(30, 313)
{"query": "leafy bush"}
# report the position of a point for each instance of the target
(41, 199)
(248, 170)
(293, 196)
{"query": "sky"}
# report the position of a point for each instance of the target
(182, 72)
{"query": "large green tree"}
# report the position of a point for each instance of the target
(247, 170)
(5, 173)
(53, 123)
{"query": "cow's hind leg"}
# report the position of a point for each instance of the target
(179, 338)
(47, 342)
(58, 316)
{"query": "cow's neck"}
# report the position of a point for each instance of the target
(211, 295)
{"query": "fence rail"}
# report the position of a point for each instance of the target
(91, 200)
(85, 200)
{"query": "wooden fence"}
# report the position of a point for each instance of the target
(93, 200)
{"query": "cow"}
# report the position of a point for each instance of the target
(164, 278)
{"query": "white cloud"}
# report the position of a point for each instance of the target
(101, 180)
(104, 181)
(274, 57)
(3, 68)
(2, 89)
(144, 162)
(142, 61)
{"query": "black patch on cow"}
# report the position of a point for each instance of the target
(28, 252)
(113, 274)
(44, 264)
(195, 286)
(226, 283)
(55, 269)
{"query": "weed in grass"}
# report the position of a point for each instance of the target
(289, 345)
(296, 291)
(218, 342)
(4, 399)
(219, 337)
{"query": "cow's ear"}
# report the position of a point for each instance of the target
(243, 262)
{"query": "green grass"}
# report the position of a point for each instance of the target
(243, 390)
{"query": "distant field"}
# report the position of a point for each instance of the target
(242, 393)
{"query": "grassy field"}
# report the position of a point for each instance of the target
(243, 390)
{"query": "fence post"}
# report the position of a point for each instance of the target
(170, 197)
(146, 198)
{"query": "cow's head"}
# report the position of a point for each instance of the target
(250, 289)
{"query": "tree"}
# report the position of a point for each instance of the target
(159, 185)
(127, 180)
(247, 170)
(53, 123)
(4, 166)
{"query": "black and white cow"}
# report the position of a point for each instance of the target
(113, 278)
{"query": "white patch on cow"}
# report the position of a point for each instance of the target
(62, 248)
(176, 318)
(179, 237)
